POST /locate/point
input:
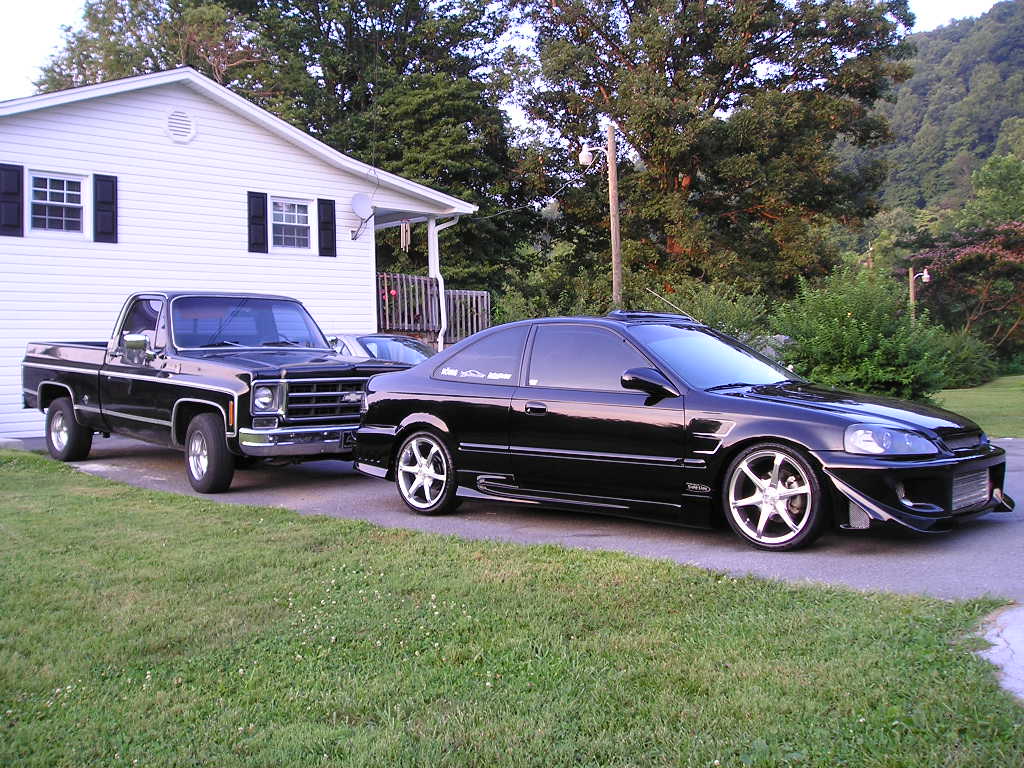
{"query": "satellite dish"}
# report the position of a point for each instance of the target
(361, 206)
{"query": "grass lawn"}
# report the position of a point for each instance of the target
(143, 628)
(997, 406)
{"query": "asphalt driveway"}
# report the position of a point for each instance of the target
(984, 558)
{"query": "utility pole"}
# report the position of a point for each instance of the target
(613, 216)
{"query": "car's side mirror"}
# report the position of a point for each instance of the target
(649, 380)
(137, 345)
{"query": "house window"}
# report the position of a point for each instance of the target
(56, 203)
(290, 223)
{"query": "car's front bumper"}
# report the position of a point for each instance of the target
(919, 493)
(297, 441)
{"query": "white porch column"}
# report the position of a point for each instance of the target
(434, 271)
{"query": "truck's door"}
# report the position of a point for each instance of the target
(135, 395)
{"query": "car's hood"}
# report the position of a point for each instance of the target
(860, 407)
(295, 362)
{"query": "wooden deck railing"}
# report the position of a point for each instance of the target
(409, 304)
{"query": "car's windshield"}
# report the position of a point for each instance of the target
(242, 321)
(705, 360)
(398, 348)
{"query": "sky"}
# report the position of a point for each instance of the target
(32, 31)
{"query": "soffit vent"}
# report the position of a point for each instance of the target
(180, 126)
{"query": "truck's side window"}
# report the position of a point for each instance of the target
(143, 317)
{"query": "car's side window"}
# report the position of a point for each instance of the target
(581, 357)
(492, 360)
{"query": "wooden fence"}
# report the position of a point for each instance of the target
(409, 304)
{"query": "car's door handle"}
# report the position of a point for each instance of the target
(536, 408)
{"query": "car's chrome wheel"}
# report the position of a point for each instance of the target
(59, 431)
(773, 498)
(425, 475)
(198, 455)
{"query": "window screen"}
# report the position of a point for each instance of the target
(581, 357)
(492, 360)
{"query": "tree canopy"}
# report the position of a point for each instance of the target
(729, 112)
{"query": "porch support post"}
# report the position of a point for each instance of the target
(434, 271)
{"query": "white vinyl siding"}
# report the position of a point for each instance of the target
(182, 223)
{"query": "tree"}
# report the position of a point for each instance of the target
(978, 284)
(407, 86)
(730, 111)
(121, 38)
(998, 194)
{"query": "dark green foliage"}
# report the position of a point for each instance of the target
(730, 111)
(856, 332)
(969, 360)
(978, 284)
(554, 289)
(966, 92)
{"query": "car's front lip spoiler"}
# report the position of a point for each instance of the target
(297, 441)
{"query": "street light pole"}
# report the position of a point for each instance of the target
(925, 278)
(613, 216)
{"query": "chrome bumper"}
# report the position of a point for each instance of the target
(296, 441)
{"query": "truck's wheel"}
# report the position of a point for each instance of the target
(208, 462)
(66, 439)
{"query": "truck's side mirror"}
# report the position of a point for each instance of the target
(136, 345)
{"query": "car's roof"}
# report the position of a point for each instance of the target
(619, 318)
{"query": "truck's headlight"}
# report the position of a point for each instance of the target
(880, 440)
(266, 398)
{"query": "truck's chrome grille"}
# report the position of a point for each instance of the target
(324, 400)
(970, 488)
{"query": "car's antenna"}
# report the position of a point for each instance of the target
(677, 309)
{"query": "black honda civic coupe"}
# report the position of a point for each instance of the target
(659, 417)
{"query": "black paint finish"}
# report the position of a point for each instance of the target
(626, 452)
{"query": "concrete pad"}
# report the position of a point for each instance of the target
(1005, 630)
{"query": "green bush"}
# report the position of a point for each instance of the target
(969, 360)
(856, 332)
(553, 288)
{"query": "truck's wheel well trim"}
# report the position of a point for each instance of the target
(174, 417)
(71, 397)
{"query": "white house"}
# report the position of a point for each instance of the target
(170, 181)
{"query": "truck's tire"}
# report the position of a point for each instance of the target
(209, 464)
(66, 439)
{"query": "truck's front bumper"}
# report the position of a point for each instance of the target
(297, 441)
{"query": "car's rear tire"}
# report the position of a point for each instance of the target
(425, 474)
(66, 439)
(209, 464)
(772, 497)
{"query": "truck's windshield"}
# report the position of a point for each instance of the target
(242, 321)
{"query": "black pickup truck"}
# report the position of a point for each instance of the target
(228, 378)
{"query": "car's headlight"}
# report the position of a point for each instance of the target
(266, 398)
(880, 440)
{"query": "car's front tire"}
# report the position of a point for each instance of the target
(772, 497)
(209, 463)
(425, 474)
(66, 439)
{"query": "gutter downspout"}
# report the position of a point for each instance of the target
(434, 271)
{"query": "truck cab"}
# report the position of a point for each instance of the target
(227, 378)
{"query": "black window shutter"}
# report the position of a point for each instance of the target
(12, 200)
(257, 222)
(327, 229)
(104, 209)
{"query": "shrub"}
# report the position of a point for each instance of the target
(969, 360)
(856, 332)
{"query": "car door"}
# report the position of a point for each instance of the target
(576, 430)
(134, 392)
